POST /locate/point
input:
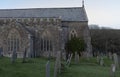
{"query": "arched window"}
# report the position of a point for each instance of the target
(46, 42)
(73, 33)
(13, 41)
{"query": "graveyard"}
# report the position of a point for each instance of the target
(37, 68)
(74, 64)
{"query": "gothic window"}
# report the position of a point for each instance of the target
(73, 33)
(46, 42)
(13, 40)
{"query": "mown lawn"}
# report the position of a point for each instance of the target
(33, 68)
(89, 68)
(36, 68)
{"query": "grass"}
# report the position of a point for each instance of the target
(89, 68)
(36, 68)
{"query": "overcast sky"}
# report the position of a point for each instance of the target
(101, 12)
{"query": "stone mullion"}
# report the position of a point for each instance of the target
(10, 44)
(43, 44)
(49, 45)
(13, 44)
(16, 44)
(46, 44)
(40, 45)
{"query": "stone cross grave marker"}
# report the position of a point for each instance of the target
(48, 69)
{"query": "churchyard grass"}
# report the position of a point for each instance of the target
(32, 68)
(89, 68)
(36, 68)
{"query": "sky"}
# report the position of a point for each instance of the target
(101, 12)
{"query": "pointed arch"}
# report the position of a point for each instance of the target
(46, 41)
(46, 34)
(13, 40)
(73, 33)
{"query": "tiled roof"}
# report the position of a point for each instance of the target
(66, 14)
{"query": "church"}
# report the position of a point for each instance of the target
(41, 31)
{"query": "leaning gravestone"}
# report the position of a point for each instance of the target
(69, 60)
(115, 58)
(112, 70)
(14, 56)
(57, 67)
(48, 69)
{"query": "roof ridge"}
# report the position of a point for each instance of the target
(67, 14)
(43, 8)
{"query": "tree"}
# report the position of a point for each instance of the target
(75, 45)
(105, 40)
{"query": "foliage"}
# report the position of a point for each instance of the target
(75, 45)
(105, 40)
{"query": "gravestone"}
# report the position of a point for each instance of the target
(101, 61)
(115, 58)
(31, 53)
(57, 68)
(64, 56)
(112, 70)
(24, 56)
(98, 59)
(14, 56)
(48, 69)
(119, 59)
(69, 60)
(110, 55)
(0, 52)
(76, 58)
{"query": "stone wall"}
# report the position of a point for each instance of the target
(82, 31)
(33, 26)
(37, 27)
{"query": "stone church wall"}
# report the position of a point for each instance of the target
(41, 28)
(82, 31)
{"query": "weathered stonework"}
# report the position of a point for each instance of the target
(41, 36)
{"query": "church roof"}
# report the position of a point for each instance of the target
(66, 14)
